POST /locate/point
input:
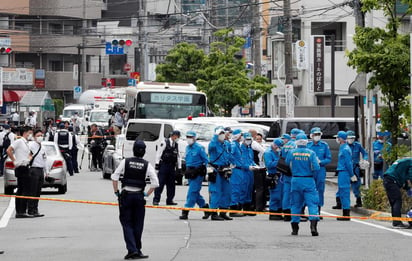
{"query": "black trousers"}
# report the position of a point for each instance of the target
(74, 160)
(23, 189)
(132, 213)
(36, 183)
(97, 157)
(393, 192)
(259, 190)
(167, 176)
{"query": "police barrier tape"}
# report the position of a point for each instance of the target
(374, 216)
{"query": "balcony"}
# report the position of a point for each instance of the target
(63, 81)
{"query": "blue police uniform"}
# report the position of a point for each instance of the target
(219, 189)
(357, 150)
(322, 151)
(378, 159)
(345, 169)
(247, 186)
(304, 164)
(195, 157)
(289, 146)
(271, 159)
(238, 176)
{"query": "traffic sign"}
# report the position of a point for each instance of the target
(131, 82)
(127, 67)
(77, 91)
(114, 49)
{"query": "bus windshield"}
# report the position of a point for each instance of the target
(169, 105)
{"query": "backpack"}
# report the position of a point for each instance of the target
(6, 142)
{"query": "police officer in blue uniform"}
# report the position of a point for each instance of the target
(322, 151)
(304, 164)
(168, 161)
(345, 174)
(196, 162)
(132, 172)
(219, 185)
(378, 145)
(247, 187)
(357, 150)
(274, 177)
(287, 176)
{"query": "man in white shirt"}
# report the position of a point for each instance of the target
(19, 152)
(15, 118)
(259, 176)
(37, 170)
(31, 121)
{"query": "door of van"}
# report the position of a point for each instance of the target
(149, 132)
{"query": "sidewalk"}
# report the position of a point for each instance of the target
(332, 180)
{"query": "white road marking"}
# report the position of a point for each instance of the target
(7, 214)
(399, 231)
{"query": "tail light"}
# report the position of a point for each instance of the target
(9, 165)
(201, 114)
(57, 164)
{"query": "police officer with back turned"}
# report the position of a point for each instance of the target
(132, 172)
(167, 159)
(64, 140)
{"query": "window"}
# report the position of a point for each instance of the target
(56, 66)
(167, 130)
(143, 131)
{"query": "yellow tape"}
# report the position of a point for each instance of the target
(373, 216)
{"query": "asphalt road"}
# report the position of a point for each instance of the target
(72, 231)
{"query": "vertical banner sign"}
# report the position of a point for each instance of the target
(319, 63)
(290, 101)
(302, 55)
(1, 86)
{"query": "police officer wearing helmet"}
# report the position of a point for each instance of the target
(132, 173)
(167, 160)
(322, 151)
(304, 164)
(219, 186)
(271, 157)
(196, 162)
(63, 138)
(345, 174)
(357, 150)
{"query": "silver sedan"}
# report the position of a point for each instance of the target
(55, 164)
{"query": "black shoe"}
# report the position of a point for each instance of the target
(139, 255)
(24, 216)
(338, 204)
(215, 216)
(295, 228)
(287, 218)
(314, 228)
(235, 214)
(37, 215)
(399, 225)
(170, 203)
(185, 214)
(207, 213)
(225, 216)
(345, 215)
(277, 216)
(1, 252)
(130, 255)
(155, 203)
(358, 202)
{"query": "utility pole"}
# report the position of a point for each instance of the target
(142, 40)
(257, 57)
(84, 60)
(288, 42)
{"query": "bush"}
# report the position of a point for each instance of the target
(375, 198)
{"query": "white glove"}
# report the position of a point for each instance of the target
(354, 178)
(252, 168)
(364, 164)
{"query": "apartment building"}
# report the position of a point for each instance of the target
(45, 37)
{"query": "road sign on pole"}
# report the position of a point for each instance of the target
(77, 91)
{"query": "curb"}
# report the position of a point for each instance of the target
(361, 211)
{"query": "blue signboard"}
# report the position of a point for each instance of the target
(131, 82)
(114, 49)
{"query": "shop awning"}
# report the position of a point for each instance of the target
(13, 96)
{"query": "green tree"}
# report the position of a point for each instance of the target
(182, 64)
(224, 78)
(385, 54)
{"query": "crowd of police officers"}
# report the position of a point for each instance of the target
(291, 171)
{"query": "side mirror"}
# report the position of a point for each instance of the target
(86, 118)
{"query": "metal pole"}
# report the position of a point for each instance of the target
(288, 42)
(84, 58)
(332, 77)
